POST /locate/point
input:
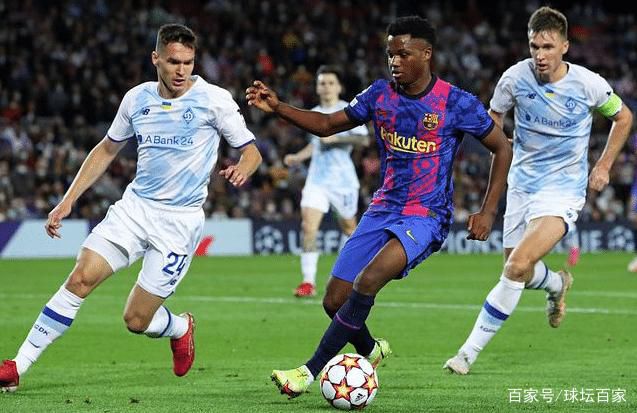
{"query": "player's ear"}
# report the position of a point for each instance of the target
(154, 57)
(565, 46)
(428, 52)
(425, 48)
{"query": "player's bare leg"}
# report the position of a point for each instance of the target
(521, 266)
(310, 222)
(145, 314)
(385, 266)
(57, 316)
(374, 349)
(348, 225)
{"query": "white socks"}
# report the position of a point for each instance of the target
(56, 317)
(309, 262)
(166, 324)
(545, 279)
(499, 304)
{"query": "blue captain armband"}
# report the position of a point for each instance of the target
(612, 106)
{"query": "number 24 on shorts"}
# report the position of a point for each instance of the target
(176, 264)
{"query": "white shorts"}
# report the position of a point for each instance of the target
(344, 201)
(165, 236)
(523, 207)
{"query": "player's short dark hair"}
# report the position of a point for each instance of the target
(548, 19)
(175, 33)
(416, 26)
(323, 69)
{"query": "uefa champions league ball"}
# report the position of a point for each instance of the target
(349, 381)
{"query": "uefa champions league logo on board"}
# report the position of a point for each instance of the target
(268, 240)
(620, 239)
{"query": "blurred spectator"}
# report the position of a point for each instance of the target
(65, 65)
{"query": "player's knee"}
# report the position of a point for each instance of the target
(348, 231)
(135, 324)
(348, 228)
(518, 269)
(331, 305)
(367, 285)
(79, 282)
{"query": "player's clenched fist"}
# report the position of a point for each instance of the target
(262, 97)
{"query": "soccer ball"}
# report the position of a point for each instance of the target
(349, 381)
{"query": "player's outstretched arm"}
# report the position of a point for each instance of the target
(362, 140)
(320, 124)
(239, 173)
(292, 159)
(600, 174)
(480, 223)
(92, 168)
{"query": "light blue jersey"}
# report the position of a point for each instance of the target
(552, 127)
(332, 165)
(178, 139)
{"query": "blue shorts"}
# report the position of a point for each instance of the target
(420, 237)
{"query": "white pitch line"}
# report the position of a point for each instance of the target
(390, 304)
(610, 294)
(435, 306)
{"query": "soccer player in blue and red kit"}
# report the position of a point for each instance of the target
(419, 121)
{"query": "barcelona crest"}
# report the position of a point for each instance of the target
(430, 121)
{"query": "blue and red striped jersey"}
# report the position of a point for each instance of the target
(418, 138)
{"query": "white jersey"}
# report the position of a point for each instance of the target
(332, 165)
(177, 139)
(552, 127)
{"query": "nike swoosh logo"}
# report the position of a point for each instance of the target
(34, 345)
(410, 235)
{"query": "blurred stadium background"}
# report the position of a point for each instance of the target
(65, 65)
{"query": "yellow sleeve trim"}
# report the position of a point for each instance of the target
(612, 106)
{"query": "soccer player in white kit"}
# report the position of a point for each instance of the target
(178, 122)
(331, 179)
(554, 102)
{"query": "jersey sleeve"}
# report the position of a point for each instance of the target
(503, 97)
(122, 127)
(472, 117)
(361, 109)
(228, 120)
(601, 94)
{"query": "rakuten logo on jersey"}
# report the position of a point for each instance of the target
(404, 144)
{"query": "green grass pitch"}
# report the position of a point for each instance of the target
(248, 323)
